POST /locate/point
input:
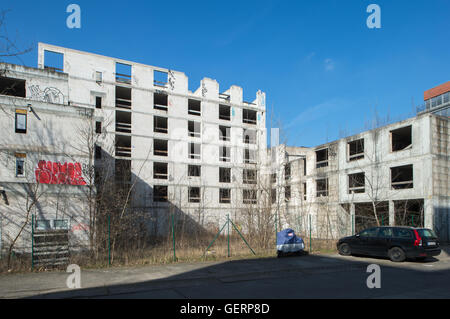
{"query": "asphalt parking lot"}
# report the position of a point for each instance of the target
(312, 276)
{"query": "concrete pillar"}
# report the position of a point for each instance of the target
(391, 213)
(352, 218)
(428, 213)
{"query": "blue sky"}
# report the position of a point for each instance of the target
(324, 72)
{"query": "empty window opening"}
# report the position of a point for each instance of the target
(224, 133)
(224, 175)
(194, 151)
(123, 146)
(249, 196)
(355, 150)
(409, 212)
(249, 136)
(21, 121)
(123, 171)
(322, 158)
(98, 102)
(160, 147)
(224, 154)
(249, 176)
(402, 177)
(123, 122)
(287, 193)
(322, 187)
(20, 164)
(287, 171)
(123, 97)
(194, 170)
(356, 183)
(249, 116)
(194, 107)
(304, 191)
(160, 101)
(224, 195)
(160, 78)
(98, 76)
(401, 139)
(194, 194)
(304, 167)
(273, 178)
(12, 87)
(160, 170)
(160, 124)
(123, 73)
(194, 129)
(249, 156)
(98, 127)
(224, 112)
(160, 193)
(365, 216)
(53, 61)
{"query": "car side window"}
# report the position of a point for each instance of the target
(402, 233)
(385, 233)
(372, 232)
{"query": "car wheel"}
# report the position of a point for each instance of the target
(344, 249)
(396, 254)
(279, 253)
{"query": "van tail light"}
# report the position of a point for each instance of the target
(418, 241)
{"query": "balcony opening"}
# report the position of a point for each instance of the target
(356, 183)
(224, 112)
(53, 61)
(160, 193)
(194, 129)
(160, 147)
(224, 133)
(160, 124)
(123, 73)
(249, 136)
(194, 194)
(249, 116)
(224, 175)
(322, 187)
(194, 151)
(249, 196)
(194, 107)
(322, 158)
(160, 78)
(160, 170)
(249, 156)
(356, 150)
(401, 139)
(123, 122)
(123, 146)
(123, 97)
(160, 101)
(249, 176)
(224, 154)
(12, 87)
(194, 170)
(224, 195)
(402, 177)
(122, 171)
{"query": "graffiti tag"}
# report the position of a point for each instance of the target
(50, 94)
(59, 174)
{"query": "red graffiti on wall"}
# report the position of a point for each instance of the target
(61, 174)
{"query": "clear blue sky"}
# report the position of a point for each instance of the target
(324, 72)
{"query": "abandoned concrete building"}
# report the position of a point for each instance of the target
(400, 171)
(192, 151)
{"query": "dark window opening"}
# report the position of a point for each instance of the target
(160, 101)
(304, 166)
(249, 196)
(160, 170)
(356, 183)
(98, 127)
(98, 102)
(225, 196)
(160, 124)
(287, 193)
(287, 171)
(21, 121)
(160, 147)
(20, 165)
(123, 146)
(194, 151)
(98, 152)
(224, 154)
(123, 122)
(160, 193)
(224, 112)
(12, 87)
(123, 97)
(401, 139)
(322, 158)
(194, 129)
(273, 195)
(249, 156)
(356, 150)
(224, 175)
(123, 73)
(194, 107)
(249, 136)
(194, 194)
(273, 178)
(249, 176)
(322, 187)
(402, 177)
(194, 170)
(224, 133)
(304, 191)
(249, 116)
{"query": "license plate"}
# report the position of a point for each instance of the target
(431, 243)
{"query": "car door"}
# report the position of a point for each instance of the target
(383, 241)
(365, 242)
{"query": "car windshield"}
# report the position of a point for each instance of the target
(426, 233)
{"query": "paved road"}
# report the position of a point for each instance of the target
(314, 276)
